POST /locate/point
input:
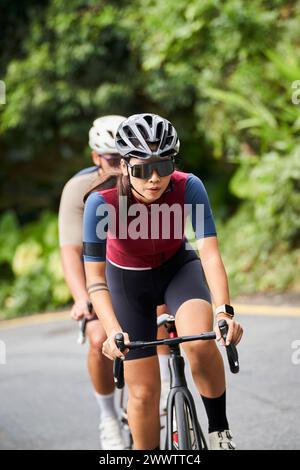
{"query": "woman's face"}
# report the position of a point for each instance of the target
(152, 188)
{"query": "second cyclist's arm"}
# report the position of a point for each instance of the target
(70, 238)
(74, 271)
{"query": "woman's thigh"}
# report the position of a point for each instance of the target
(194, 316)
(187, 284)
(189, 300)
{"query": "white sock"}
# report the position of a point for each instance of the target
(106, 404)
(164, 367)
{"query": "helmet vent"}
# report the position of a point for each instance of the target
(148, 119)
(143, 131)
(169, 140)
(128, 132)
(159, 131)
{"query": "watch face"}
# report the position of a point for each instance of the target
(229, 309)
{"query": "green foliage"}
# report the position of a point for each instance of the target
(9, 236)
(31, 256)
(222, 71)
(261, 243)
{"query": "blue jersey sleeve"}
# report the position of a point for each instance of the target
(94, 229)
(200, 211)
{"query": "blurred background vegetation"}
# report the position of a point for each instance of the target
(220, 70)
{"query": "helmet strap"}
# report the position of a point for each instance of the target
(132, 187)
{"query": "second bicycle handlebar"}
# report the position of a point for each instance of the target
(118, 368)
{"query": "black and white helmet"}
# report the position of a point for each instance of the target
(145, 136)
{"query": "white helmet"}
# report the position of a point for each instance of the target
(139, 132)
(102, 134)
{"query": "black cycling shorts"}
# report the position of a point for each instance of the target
(136, 294)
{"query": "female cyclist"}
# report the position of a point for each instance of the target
(147, 262)
(102, 175)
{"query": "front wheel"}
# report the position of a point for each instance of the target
(181, 436)
(184, 432)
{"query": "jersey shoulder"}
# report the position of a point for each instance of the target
(194, 182)
(85, 171)
(81, 181)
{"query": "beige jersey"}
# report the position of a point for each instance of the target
(71, 207)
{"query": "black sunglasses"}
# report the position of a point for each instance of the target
(145, 170)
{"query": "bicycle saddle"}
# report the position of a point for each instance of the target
(165, 319)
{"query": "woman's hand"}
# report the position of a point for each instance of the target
(235, 331)
(110, 349)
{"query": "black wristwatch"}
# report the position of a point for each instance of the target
(225, 308)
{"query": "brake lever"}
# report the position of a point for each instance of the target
(118, 367)
(231, 350)
(82, 324)
(81, 333)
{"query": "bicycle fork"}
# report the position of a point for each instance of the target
(180, 401)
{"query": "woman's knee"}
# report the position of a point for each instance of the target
(143, 380)
(96, 339)
(200, 353)
(144, 395)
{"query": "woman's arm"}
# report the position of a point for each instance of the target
(75, 279)
(94, 255)
(100, 297)
(102, 304)
(216, 277)
(214, 270)
(70, 241)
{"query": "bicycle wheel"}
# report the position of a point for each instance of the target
(184, 431)
(181, 436)
(123, 420)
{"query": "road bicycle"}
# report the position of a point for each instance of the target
(183, 430)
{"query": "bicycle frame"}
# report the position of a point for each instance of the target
(180, 396)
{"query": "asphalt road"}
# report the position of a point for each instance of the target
(47, 401)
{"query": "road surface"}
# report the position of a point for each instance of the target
(47, 400)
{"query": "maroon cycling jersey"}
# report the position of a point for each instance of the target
(144, 236)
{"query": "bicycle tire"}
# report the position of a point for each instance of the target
(182, 421)
(189, 427)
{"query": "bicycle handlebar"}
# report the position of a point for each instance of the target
(118, 368)
(82, 324)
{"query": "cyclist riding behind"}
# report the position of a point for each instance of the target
(132, 274)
